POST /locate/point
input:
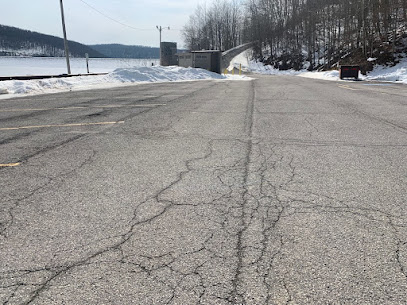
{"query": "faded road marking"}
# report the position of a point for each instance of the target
(347, 87)
(81, 107)
(128, 106)
(38, 109)
(62, 125)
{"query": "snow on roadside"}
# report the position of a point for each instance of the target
(241, 59)
(326, 75)
(258, 67)
(249, 65)
(397, 74)
(121, 76)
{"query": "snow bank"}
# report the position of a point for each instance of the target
(396, 74)
(241, 59)
(327, 75)
(118, 77)
(160, 74)
(260, 68)
(249, 65)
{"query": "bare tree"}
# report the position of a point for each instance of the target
(289, 33)
(218, 27)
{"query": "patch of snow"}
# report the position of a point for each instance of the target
(249, 65)
(397, 74)
(241, 59)
(371, 59)
(258, 67)
(121, 76)
(327, 75)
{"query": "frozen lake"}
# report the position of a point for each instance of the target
(21, 66)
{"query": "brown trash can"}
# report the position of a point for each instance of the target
(349, 72)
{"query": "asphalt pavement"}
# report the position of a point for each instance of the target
(278, 190)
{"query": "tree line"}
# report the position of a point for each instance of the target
(218, 27)
(294, 33)
(15, 41)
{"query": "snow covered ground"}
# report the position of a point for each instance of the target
(125, 72)
(396, 74)
(121, 76)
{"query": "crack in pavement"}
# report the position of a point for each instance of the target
(237, 297)
(9, 214)
(240, 254)
(58, 271)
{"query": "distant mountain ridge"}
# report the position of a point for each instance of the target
(18, 42)
(124, 51)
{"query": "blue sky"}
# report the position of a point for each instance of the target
(89, 27)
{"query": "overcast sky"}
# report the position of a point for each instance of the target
(87, 26)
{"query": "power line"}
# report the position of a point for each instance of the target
(114, 20)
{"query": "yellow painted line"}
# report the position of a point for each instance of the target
(132, 97)
(347, 87)
(22, 110)
(62, 125)
(10, 165)
(128, 106)
(38, 109)
(68, 108)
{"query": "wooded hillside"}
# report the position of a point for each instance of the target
(305, 33)
(15, 42)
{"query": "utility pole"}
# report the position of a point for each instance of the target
(65, 40)
(160, 29)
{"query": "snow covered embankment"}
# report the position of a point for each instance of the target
(116, 78)
(397, 74)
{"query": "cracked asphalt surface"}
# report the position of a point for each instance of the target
(281, 190)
